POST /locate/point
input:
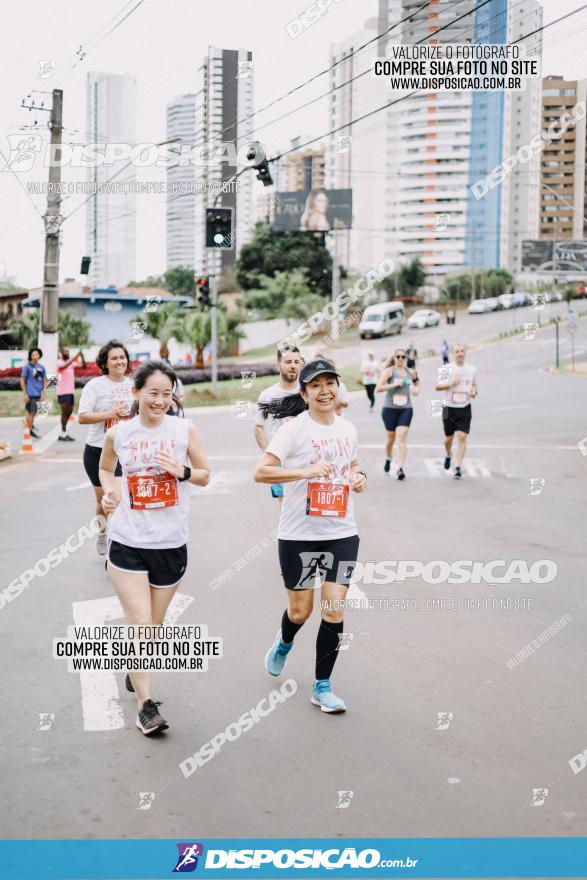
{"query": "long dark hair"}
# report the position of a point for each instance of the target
(102, 356)
(147, 369)
(286, 407)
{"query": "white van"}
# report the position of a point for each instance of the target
(382, 319)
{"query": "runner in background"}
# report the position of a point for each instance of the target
(458, 380)
(289, 363)
(104, 401)
(445, 352)
(148, 530)
(315, 457)
(399, 383)
(66, 388)
(412, 354)
(370, 373)
(33, 382)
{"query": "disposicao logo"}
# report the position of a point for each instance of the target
(187, 859)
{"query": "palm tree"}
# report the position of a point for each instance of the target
(25, 330)
(166, 322)
(199, 332)
(73, 331)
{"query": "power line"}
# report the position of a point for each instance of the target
(327, 69)
(415, 92)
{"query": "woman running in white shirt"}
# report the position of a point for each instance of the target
(315, 456)
(148, 530)
(104, 401)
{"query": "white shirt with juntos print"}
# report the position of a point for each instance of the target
(136, 446)
(101, 395)
(299, 444)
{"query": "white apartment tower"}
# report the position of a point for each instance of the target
(111, 220)
(181, 197)
(224, 116)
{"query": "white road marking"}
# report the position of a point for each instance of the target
(101, 704)
(472, 467)
(83, 485)
(47, 441)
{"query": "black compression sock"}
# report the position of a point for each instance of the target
(289, 629)
(327, 648)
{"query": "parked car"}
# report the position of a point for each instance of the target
(492, 304)
(506, 300)
(382, 319)
(521, 299)
(556, 296)
(424, 318)
(477, 307)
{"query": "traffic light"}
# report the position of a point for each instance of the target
(85, 265)
(260, 164)
(203, 288)
(219, 228)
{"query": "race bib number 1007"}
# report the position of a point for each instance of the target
(327, 499)
(147, 491)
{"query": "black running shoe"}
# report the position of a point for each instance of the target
(458, 473)
(149, 720)
(128, 684)
(400, 474)
(35, 435)
(387, 465)
(447, 463)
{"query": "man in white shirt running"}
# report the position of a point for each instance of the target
(458, 380)
(289, 362)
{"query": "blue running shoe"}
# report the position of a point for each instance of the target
(322, 696)
(277, 655)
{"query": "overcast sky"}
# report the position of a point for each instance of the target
(162, 44)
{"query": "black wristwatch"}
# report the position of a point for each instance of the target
(187, 472)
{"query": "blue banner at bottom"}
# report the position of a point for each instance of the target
(376, 857)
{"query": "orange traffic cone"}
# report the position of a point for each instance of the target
(27, 443)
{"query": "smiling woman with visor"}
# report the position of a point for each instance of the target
(315, 456)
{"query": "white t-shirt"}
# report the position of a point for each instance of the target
(100, 395)
(136, 446)
(370, 371)
(460, 395)
(299, 444)
(271, 424)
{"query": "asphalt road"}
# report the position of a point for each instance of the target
(471, 772)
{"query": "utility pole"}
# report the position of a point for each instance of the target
(216, 263)
(48, 336)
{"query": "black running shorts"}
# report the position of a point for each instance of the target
(164, 567)
(305, 565)
(92, 464)
(456, 418)
(396, 417)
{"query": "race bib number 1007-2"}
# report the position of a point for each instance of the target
(327, 499)
(147, 491)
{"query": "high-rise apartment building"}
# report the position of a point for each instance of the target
(224, 122)
(110, 217)
(562, 171)
(181, 197)
(304, 169)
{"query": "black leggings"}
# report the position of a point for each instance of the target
(370, 389)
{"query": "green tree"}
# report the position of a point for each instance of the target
(151, 281)
(227, 282)
(72, 331)
(457, 287)
(180, 280)
(285, 295)
(198, 331)
(271, 252)
(569, 294)
(166, 322)
(406, 280)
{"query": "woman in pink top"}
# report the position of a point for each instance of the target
(65, 388)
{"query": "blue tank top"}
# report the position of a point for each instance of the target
(399, 397)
